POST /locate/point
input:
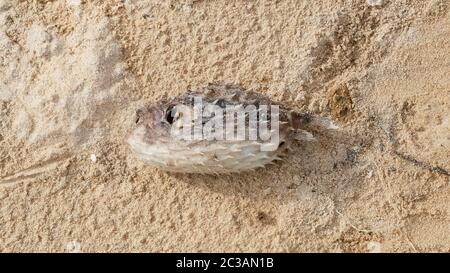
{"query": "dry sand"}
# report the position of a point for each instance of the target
(73, 72)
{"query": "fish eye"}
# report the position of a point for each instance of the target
(170, 114)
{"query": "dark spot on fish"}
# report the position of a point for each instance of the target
(138, 116)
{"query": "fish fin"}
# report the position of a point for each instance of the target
(324, 122)
(303, 135)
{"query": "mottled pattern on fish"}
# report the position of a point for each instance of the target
(152, 141)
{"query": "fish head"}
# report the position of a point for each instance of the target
(152, 126)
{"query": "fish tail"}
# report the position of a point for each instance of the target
(299, 121)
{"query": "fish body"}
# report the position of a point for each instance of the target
(183, 135)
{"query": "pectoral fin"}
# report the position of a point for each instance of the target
(303, 135)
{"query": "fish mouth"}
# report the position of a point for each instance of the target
(132, 135)
(128, 135)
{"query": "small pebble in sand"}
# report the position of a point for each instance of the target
(73, 247)
(267, 191)
(370, 174)
(93, 158)
(74, 2)
(374, 247)
(375, 3)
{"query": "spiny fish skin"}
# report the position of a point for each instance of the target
(151, 139)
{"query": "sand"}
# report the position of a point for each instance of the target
(72, 73)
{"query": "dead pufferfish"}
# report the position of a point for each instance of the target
(152, 138)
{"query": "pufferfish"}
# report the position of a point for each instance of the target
(156, 139)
